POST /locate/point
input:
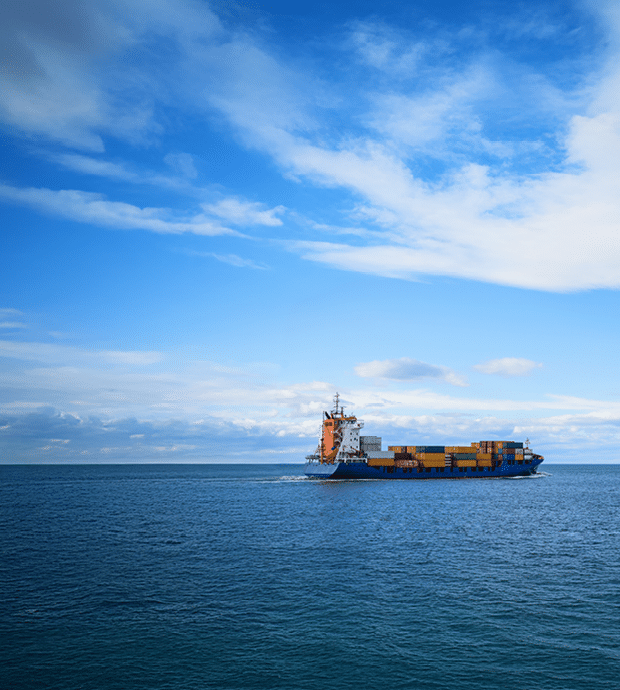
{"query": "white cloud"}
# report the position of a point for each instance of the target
(68, 76)
(95, 166)
(240, 212)
(12, 324)
(385, 49)
(183, 163)
(508, 366)
(553, 227)
(93, 208)
(406, 369)
(53, 354)
(246, 410)
(230, 259)
(545, 230)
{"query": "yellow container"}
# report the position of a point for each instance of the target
(380, 462)
(410, 449)
(484, 463)
(431, 456)
(465, 463)
(483, 456)
(433, 462)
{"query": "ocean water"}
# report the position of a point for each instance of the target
(186, 577)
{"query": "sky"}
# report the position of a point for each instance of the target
(216, 215)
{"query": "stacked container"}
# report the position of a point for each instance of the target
(380, 462)
(431, 459)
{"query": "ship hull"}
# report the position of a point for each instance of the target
(360, 470)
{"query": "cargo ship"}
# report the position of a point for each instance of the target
(343, 454)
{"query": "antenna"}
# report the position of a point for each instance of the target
(336, 401)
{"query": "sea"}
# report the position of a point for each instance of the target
(252, 577)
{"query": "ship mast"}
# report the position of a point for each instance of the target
(336, 401)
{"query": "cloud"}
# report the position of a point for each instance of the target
(48, 435)
(508, 366)
(182, 163)
(73, 71)
(230, 259)
(94, 166)
(535, 221)
(240, 212)
(94, 208)
(259, 422)
(386, 49)
(53, 354)
(406, 369)
(12, 324)
(444, 147)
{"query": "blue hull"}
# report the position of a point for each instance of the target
(359, 470)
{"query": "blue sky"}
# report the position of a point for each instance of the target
(216, 215)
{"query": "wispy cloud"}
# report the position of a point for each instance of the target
(95, 166)
(504, 204)
(12, 324)
(240, 212)
(94, 208)
(508, 366)
(253, 416)
(407, 369)
(230, 259)
(182, 163)
(53, 354)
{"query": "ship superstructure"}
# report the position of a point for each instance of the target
(340, 437)
(343, 454)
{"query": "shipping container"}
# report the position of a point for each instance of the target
(428, 462)
(368, 443)
(431, 456)
(484, 463)
(464, 456)
(406, 463)
(402, 456)
(380, 462)
(465, 463)
(483, 456)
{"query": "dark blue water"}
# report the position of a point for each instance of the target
(235, 577)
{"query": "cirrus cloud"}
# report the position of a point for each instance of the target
(407, 369)
(508, 366)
